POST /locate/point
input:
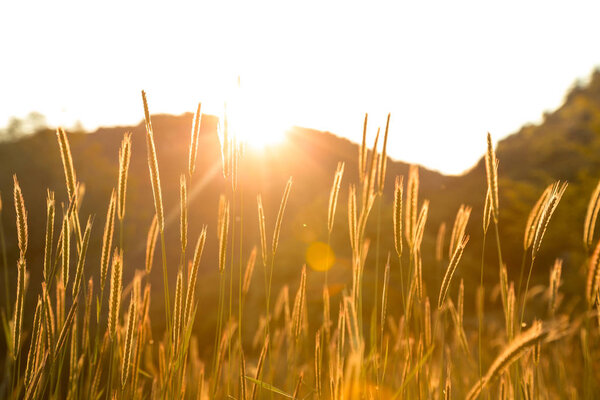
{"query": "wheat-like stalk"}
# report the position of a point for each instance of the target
(333, 195)
(383, 158)
(590, 217)
(450, 271)
(50, 211)
(151, 243)
(262, 229)
(555, 273)
(115, 294)
(177, 312)
(36, 337)
(259, 366)
(81, 258)
(487, 211)
(318, 364)
(427, 322)
(549, 208)
(153, 166)
(384, 294)
(397, 218)
(420, 227)
(62, 337)
(128, 349)
(284, 200)
(298, 313)
(491, 168)
(412, 198)
(243, 388)
(369, 186)
(21, 213)
(460, 224)
(67, 160)
(593, 277)
(189, 300)
(460, 303)
(515, 350)
(124, 157)
(248, 271)
(49, 322)
(352, 228)
(18, 313)
(194, 136)
(439, 242)
(66, 250)
(534, 218)
(107, 237)
(223, 229)
(362, 152)
(183, 215)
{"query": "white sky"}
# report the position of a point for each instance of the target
(448, 71)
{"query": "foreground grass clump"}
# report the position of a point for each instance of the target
(96, 338)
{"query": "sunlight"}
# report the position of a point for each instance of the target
(254, 120)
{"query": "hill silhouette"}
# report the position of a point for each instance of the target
(565, 146)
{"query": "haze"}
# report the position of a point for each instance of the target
(447, 71)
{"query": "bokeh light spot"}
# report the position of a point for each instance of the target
(319, 256)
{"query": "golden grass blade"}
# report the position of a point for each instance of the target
(153, 166)
(298, 313)
(191, 289)
(460, 224)
(223, 231)
(151, 244)
(50, 211)
(21, 213)
(412, 198)
(555, 273)
(534, 218)
(515, 349)
(487, 211)
(248, 271)
(115, 294)
(259, 366)
(450, 271)
(67, 160)
(397, 219)
(183, 216)
(18, 313)
(128, 349)
(124, 158)
(261, 227)
(177, 312)
(549, 208)
(333, 195)
(66, 250)
(384, 294)
(318, 364)
(243, 388)
(195, 135)
(491, 168)
(352, 228)
(593, 278)
(383, 158)
(81, 258)
(439, 242)
(107, 238)
(368, 188)
(62, 338)
(590, 217)
(362, 152)
(420, 227)
(284, 200)
(33, 345)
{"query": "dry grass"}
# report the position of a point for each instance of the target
(319, 346)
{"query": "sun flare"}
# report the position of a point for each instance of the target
(254, 120)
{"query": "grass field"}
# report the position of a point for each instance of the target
(97, 339)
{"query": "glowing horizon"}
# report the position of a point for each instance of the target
(448, 73)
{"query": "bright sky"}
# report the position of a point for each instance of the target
(448, 71)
